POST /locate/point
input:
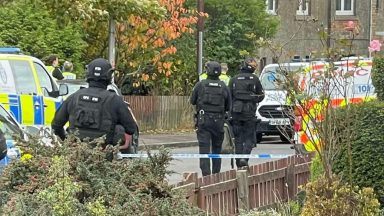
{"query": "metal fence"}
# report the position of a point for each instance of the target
(162, 112)
(262, 185)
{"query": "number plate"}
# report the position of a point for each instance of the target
(284, 121)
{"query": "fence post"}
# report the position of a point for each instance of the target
(242, 189)
(290, 180)
(191, 177)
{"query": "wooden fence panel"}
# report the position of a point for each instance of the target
(162, 112)
(218, 194)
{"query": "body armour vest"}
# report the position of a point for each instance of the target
(212, 96)
(244, 92)
(91, 115)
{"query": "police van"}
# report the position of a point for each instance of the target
(274, 110)
(27, 90)
(349, 82)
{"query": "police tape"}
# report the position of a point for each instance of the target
(229, 156)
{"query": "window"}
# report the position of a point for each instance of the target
(44, 79)
(8, 125)
(23, 76)
(303, 8)
(344, 7)
(7, 83)
(271, 6)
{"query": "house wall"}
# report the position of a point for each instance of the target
(299, 35)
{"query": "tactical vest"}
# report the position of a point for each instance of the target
(212, 96)
(91, 115)
(243, 93)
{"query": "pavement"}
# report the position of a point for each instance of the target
(178, 140)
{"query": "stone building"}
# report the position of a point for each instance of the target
(302, 20)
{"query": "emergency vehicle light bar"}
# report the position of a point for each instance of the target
(10, 50)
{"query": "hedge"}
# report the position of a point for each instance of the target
(367, 147)
(378, 77)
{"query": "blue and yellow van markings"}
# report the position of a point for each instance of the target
(39, 110)
(14, 106)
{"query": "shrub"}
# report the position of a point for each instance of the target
(378, 76)
(367, 149)
(317, 169)
(337, 198)
(78, 178)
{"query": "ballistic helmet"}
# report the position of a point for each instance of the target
(249, 64)
(213, 68)
(68, 66)
(99, 70)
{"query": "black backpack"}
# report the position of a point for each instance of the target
(244, 92)
(212, 96)
(90, 115)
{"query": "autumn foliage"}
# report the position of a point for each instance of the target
(146, 47)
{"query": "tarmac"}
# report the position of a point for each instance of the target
(176, 140)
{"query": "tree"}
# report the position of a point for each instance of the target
(36, 32)
(146, 33)
(231, 27)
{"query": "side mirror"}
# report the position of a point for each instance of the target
(63, 89)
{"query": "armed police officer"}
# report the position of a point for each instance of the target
(212, 100)
(94, 111)
(246, 92)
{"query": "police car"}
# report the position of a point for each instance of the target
(27, 90)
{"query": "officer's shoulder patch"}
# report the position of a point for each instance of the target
(89, 98)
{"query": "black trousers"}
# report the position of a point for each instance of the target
(210, 134)
(244, 132)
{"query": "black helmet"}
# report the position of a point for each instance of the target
(99, 70)
(68, 66)
(249, 64)
(213, 68)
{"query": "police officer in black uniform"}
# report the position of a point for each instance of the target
(94, 111)
(212, 100)
(246, 92)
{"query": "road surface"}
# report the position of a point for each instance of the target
(269, 145)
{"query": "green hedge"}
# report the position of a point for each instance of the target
(378, 76)
(367, 149)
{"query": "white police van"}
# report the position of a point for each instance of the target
(274, 110)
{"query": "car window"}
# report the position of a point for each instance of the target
(72, 88)
(7, 83)
(44, 79)
(271, 80)
(7, 125)
(23, 76)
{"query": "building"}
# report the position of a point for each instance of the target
(302, 20)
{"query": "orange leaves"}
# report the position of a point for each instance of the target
(149, 40)
(169, 50)
(167, 65)
(145, 77)
(159, 42)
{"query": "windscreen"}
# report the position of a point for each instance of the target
(273, 78)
